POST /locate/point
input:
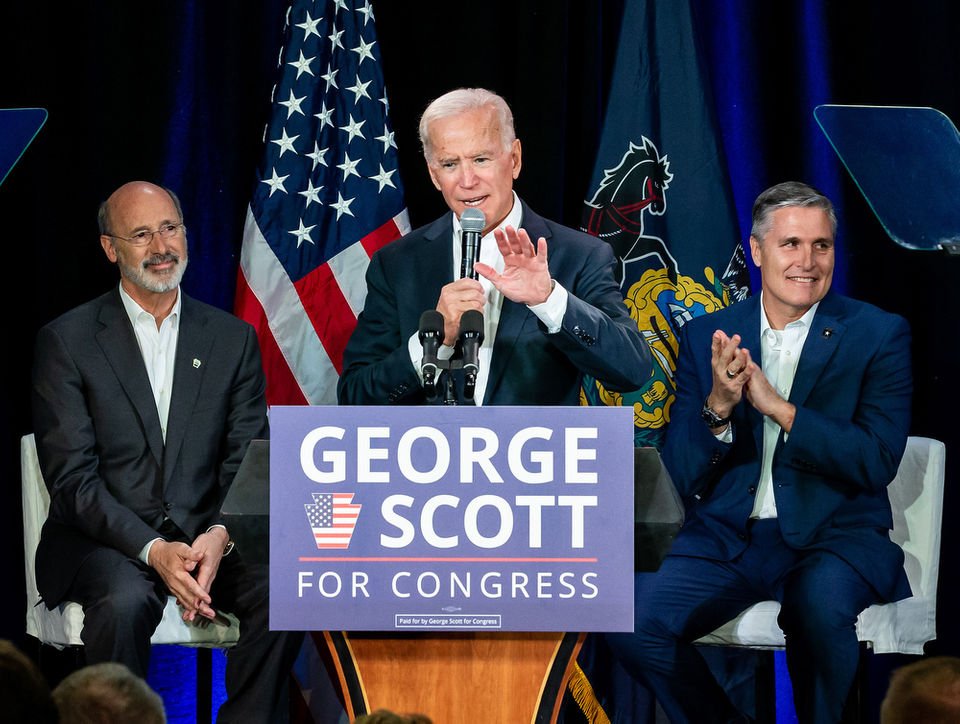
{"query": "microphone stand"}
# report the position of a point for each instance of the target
(449, 391)
(444, 378)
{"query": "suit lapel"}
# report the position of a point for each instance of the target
(514, 317)
(823, 340)
(194, 341)
(119, 345)
(434, 260)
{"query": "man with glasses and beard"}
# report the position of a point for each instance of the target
(144, 402)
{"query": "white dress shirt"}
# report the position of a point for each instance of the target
(779, 356)
(158, 347)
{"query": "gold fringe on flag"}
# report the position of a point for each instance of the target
(583, 693)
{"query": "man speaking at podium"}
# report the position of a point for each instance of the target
(551, 312)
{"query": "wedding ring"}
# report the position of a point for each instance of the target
(731, 375)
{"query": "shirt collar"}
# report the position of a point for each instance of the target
(134, 310)
(805, 321)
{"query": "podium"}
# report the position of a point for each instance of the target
(456, 677)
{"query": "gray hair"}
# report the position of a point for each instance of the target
(103, 214)
(787, 194)
(463, 100)
(107, 691)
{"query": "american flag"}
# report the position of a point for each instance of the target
(332, 516)
(328, 194)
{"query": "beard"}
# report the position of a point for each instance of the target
(145, 277)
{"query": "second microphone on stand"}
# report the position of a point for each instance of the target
(471, 337)
(472, 222)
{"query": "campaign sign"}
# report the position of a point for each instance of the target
(451, 518)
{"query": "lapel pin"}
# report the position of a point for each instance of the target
(827, 333)
(196, 363)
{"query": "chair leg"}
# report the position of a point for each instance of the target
(204, 685)
(766, 689)
(56, 664)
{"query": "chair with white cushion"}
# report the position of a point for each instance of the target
(61, 627)
(916, 497)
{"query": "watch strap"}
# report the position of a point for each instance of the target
(711, 417)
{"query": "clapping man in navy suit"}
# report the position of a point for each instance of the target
(792, 414)
(144, 403)
(552, 310)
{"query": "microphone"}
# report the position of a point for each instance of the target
(430, 334)
(471, 336)
(472, 222)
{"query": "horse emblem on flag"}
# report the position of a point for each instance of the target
(660, 298)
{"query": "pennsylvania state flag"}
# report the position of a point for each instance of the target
(660, 195)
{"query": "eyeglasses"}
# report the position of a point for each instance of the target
(142, 238)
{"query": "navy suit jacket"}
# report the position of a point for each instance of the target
(111, 476)
(852, 391)
(528, 366)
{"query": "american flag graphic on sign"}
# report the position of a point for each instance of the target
(328, 194)
(332, 516)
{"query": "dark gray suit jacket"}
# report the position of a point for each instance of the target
(110, 475)
(528, 366)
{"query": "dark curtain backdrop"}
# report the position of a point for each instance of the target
(178, 92)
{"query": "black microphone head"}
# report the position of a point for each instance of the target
(471, 322)
(431, 323)
(472, 220)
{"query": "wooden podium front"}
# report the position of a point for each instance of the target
(456, 678)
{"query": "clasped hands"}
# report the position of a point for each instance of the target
(525, 280)
(189, 570)
(735, 374)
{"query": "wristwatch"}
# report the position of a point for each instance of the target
(710, 417)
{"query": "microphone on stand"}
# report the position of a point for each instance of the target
(431, 335)
(472, 222)
(471, 337)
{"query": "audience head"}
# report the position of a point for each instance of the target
(385, 716)
(107, 693)
(925, 691)
(24, 693)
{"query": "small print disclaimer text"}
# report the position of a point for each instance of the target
(434, 621)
